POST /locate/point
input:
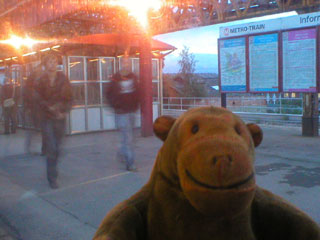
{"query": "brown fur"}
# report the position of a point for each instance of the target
(203, 187)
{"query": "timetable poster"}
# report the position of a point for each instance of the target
(233, 65)
(299, 61)
(263, 62)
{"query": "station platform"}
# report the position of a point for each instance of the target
(92, 181)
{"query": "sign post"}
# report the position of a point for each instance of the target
(310, 118)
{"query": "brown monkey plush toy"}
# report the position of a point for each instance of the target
(203, 187)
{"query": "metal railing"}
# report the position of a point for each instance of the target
(184, 103)
(260, 109)
(251, 104)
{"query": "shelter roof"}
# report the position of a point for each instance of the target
(111, 44)
(115, 39)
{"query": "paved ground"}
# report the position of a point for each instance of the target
(92, 181)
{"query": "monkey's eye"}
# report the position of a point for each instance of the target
(195, 128)
(237, 129)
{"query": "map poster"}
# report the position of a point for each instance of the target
(233, 65)
(263, 63)
(299, 61)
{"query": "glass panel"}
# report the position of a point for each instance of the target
(94, 119)
(105, 86)
(76, 69)
(78, 94)
(155, 69)
(107, 68)
(126, 64)
(155, 92)
(29, 69)
(15, 74)
(136, 66)
(19, 92)
(93, 93)
(78, 120)
(108, 118)
(92, 69)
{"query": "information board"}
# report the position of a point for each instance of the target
(233, 65)
(299, 60)
(263, 62)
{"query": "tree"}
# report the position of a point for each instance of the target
(187, 68)
(187, 63)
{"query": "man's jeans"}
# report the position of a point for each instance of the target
(53, 132)
(37, 122)
(125, 123)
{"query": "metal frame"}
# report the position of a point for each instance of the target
(86, 106)
(174, 15)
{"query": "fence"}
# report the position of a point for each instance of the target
(260, 109)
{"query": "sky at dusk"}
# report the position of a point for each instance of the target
(202, 42)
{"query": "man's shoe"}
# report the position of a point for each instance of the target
(132, 168)
(53, 184)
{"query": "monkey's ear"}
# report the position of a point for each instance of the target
(162, 126)
(256, 133)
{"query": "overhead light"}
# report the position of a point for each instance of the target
(1, 60)
(7, 59)
(18, 42)
(27, 54)
(57, 46)
(72, 64)
(45, 49)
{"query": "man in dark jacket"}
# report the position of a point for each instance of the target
(54, 96)
(123, 96)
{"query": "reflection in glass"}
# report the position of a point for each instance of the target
(155, 92)
(107, 68)
(76, 68)
(155, 69)
(105, 86)
(92, 69)
(136, 66)
(15, 74)
(93, 93)
(78, 94)
(126, 64)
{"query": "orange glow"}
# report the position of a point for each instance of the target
(138, 8)
(18, 42)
